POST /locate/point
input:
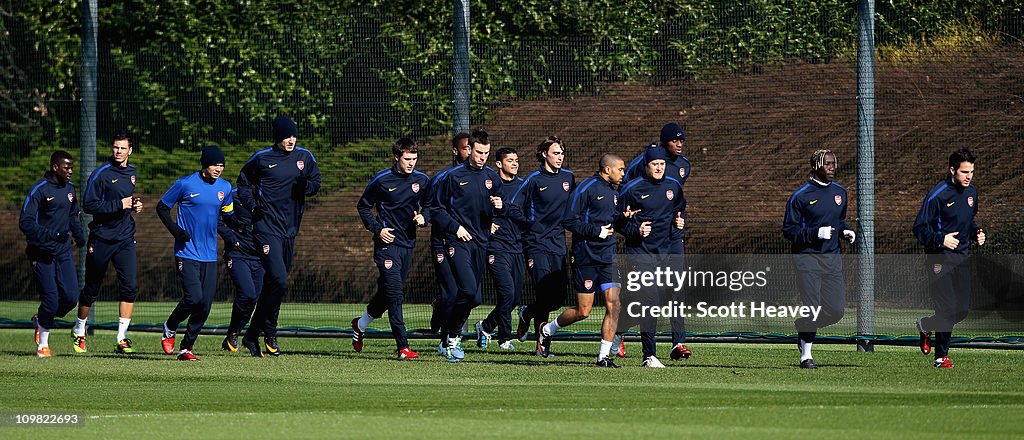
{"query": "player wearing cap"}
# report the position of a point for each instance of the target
(273, 185)
(677, 166)
(202, 197)
(659, 208)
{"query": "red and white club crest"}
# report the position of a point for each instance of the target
(490, 259)
(388, 264)
(440, 258)
(488, 184)
(669, 194)
(300, 164)
(839, 200)
(133, 180)
(682, 172)
(588, 284)
(970, 201)
(220, 195)
(71, 197)
(451, 252)
(565, 186)
(415, 187)
(266, 249)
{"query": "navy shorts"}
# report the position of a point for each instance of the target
(593, 279)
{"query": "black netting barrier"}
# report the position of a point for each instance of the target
(757, 88)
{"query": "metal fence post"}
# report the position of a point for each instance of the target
(460, 66)
(87, 122)
(866, 172)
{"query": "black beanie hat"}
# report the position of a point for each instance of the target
(284, 128)
(654, 152)
(671, 132)
(211, 156)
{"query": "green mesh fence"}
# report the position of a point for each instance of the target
(757, 87)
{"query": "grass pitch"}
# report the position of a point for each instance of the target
(320, 388)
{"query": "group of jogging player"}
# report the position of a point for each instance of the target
(483, 218)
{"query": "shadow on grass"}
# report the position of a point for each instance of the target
(92, 355)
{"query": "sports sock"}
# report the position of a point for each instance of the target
(551, 328)
(44, 337)
(606, 349)
(80, 326)
(805, 353)
(364, 321)
(122, 328)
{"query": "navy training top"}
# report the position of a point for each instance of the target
(274, 184)
(659, 201)
(812, 206)
(107, 185)
(594, 204)
(395, 197)
(948, 207)
(538, 207)
(50, 216)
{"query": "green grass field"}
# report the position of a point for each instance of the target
(888, 322)
(321, 388)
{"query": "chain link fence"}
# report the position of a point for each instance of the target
(757, 87)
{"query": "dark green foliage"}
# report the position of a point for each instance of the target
(158, 168)
(182, 73)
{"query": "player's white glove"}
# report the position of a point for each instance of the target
(825, 232)
(850, 235)
(606, 230)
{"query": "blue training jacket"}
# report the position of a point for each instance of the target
(107, 185)
(436, 232)
(463, 198)
(948, 207)
(238, 231)
(200, 204)
(274, 184)
(538, 207)
(674, 166)
(659, 200)
(812, 206)
(50, 216)
(395, 197)
(594, 204)
(508, 239)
